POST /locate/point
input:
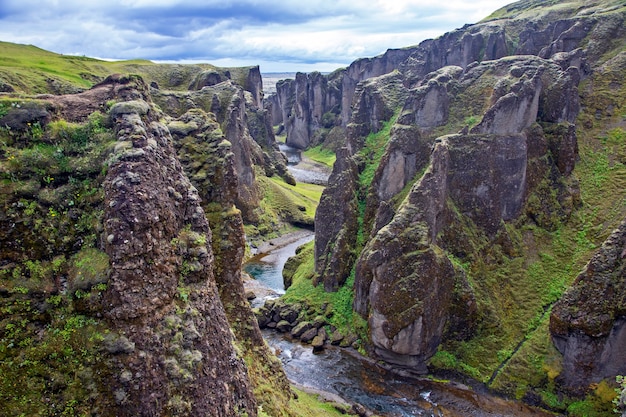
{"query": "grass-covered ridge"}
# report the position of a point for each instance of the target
(554, 9)
(31, 70)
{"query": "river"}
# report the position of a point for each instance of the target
(304, 169)
(345, 374)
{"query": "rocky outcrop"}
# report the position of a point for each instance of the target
(337, 212)
(247, 78)
(306, 105)
(136, 278)
(407, 318)
(363, 69)
(208, 160)
(374, 104)
(588, 324)
(244, 125)
(150, 204)
(425, 107)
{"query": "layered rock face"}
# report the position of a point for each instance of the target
(304, 105)
(150, 204)
(404, 282)
(337, 211)
(483, 176)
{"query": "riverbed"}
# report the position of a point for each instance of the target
(347, 375)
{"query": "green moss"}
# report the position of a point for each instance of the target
(47, 362)
(88, 267)
(311, 405)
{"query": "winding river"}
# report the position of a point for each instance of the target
(345, 375)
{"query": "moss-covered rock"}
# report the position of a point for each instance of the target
(335, 241)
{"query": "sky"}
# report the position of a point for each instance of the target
(278, 35)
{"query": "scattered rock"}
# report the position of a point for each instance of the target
(283, 326)
(308, 335)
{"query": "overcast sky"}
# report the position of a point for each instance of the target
(287, 35)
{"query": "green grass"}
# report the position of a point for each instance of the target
(30, 69)
(321, 155)
(311, 405)
(373, 150)
(282, 206)
(289, 200)
(307, 195)
(302, 290)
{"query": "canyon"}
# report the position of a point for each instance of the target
(472, 227)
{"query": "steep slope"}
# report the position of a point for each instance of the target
(122, 249)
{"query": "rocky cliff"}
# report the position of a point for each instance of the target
(246, 127)
(463, 201)
(121, 277)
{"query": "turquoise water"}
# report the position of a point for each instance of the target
(268, 268)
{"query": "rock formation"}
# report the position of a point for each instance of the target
(128, 262)
(217, 183)
(337, 211)
(483, 141)
(149, 204)
(245, 126)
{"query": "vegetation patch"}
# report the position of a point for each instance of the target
(53, 273)
(336, 306)
(322, 155)
(285, 204)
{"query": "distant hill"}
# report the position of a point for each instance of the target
(31, 70)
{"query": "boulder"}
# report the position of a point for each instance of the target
(300, 328)
(336, 337)
(318, 343)
(308, 335)
(283, 326)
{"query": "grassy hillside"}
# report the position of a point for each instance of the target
(553, 9)
(31, 70)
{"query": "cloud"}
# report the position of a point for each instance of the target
(278, 35)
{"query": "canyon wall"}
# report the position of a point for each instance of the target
(126, 217)
(482, 126)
